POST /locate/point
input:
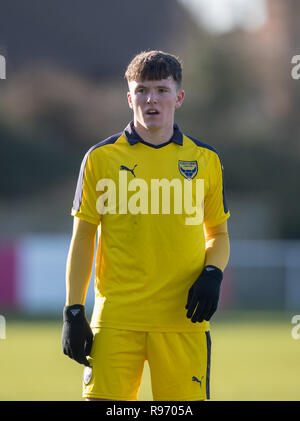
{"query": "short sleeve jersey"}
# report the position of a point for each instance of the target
(151, 204)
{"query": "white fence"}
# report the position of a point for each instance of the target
(265, 274)
(261, 275)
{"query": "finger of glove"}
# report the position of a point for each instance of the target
(65, 344)
(197, 313)
(191, 307)
(200, 312)
(79, 356)
(189, 300)
(76, 347)
(66, 347)
(73, 347)
(86, 363)
(89, 344)
(67, 350)
(211, 312)
(83, 360)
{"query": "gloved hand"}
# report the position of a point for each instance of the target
(204, 294)
(77, 336)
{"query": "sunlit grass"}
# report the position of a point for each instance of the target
(251, 360)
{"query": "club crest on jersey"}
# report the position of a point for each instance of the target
(87, 375)
(188, 169)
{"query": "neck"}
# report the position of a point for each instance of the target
(155, 136)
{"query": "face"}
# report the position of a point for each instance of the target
(154, 102)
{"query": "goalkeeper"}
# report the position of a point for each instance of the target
(159, 269)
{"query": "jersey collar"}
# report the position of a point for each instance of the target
(133, 137)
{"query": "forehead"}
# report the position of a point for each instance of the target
(168, 82)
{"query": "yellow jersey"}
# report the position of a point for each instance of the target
(151, 204)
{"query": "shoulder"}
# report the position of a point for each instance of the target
(96, 149)
(209, 149)
(109, 141)
(201, 144)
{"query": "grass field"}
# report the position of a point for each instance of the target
(254, 357)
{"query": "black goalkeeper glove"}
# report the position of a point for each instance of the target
(204, 295)
(77, 336)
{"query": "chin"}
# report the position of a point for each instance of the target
(152, 125)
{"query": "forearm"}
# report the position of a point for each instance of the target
(217, 247)
(80, 262)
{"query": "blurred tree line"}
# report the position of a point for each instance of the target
(244, 102)
(240, 98)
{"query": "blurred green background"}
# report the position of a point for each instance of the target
(64, 91)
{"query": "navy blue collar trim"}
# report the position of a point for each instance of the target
(133, 137)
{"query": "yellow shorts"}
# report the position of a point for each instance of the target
(179, 365)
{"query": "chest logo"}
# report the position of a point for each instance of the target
(188, 169)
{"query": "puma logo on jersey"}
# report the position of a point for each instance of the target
(122, 167)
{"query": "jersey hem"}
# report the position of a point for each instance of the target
(186, 398)
(145, 328)
(104, 396)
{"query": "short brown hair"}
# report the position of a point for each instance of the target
(154, 65)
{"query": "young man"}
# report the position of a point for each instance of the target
(158, 196)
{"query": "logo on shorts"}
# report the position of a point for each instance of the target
(188, 169)
(87, 375)
(195, 379)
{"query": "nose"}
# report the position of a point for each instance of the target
(151, 99)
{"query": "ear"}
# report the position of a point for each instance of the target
(129, 100)
(179, 99)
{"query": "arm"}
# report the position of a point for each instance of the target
(80, 261)
(217, 246)
(204, 294)
(77, 336)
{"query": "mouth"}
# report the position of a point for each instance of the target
(152, 112)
